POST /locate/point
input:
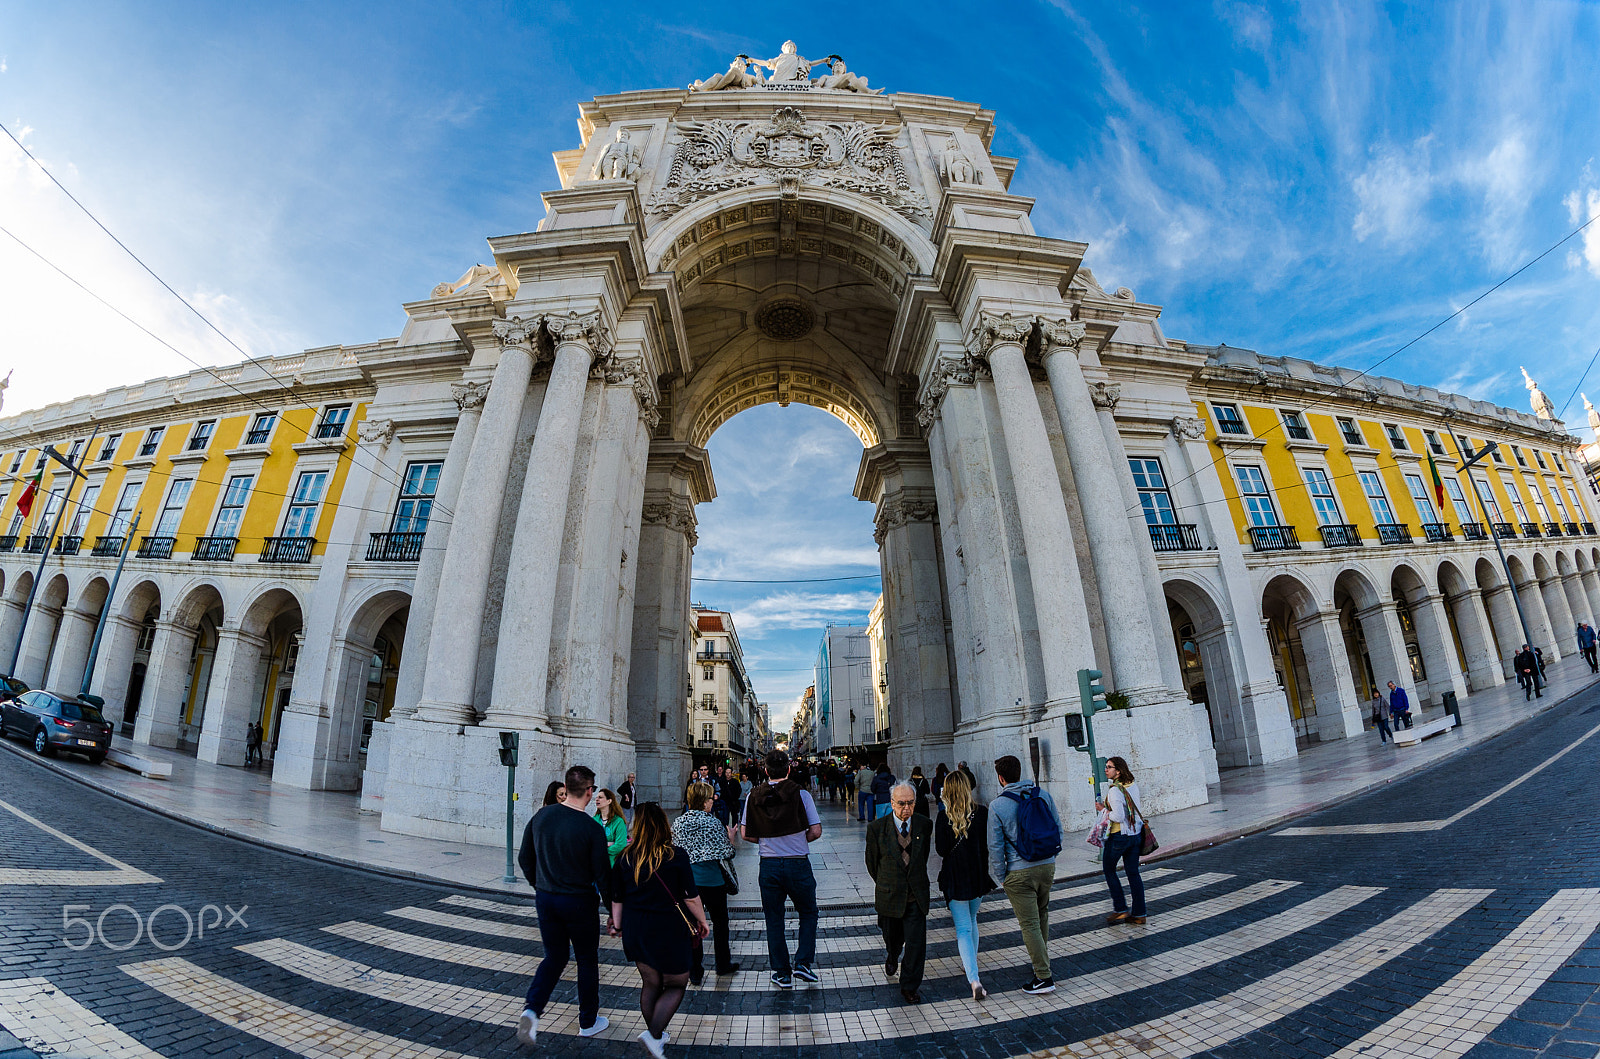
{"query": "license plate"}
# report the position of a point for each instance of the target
(87, 742)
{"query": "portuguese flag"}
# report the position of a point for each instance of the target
(25, 501)
(1438, 486)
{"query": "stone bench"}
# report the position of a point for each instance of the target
(155, 770)
(1418, 732)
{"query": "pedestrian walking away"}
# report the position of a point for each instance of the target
(960, 837)
(897, 860)
(609, 816)
(252, 745)
(1124, 836)
(1024, 840)
(1526, 664)
(1399, 707)
(732, 795)
(882, 784)
(865, 804)
(936, 785)
(1380, 719)
(705, 840)
(782, 819)
(564, 859)
(656, 910)
(1586, 644)
(919, 783)
(625, 797)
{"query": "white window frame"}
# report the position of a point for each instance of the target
(186, 487)
(1296, 421)
(295, 503)
(1397, 437)
(1431, 439)
(1349, 426)
(1377, 497)
(232, 504)
(1319, 486)
(271, 421)
(1516, 501)
(1264, 496)
(1238, 417)
(324, 421)
(1421, 498)
(122, 514)
(1516, 454)
(200, 436)
(406, 520)
(1486, 494)
(153, 436)
(1458, 500)
(1561, 503)
(86, 502)
(108, 451)
(1153, 492)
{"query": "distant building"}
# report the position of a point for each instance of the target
(878, 648)
(722, 701)
(846, 710)
(802, 733)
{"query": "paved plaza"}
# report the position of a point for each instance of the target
(1451, 912)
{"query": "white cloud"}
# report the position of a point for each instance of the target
(800, 609)
(1392, 192)
(1504, 177)
(1583, 204)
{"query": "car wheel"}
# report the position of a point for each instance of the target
(96, 757)
(41, 744)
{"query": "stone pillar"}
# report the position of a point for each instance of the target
(37, 640)
(1502, 614)
(71, 652)
(469, 398)
(522, 665)
(1386, 647)
(1438, 648)
(10, 625)
(1588, 578)
(1339, 707)
(1544, 598)
(452, 654)
(233, 697)
(160, 720)
(1058, 597)
(1577, 602)
(113, 668)
(677, 477)
(1483, 667)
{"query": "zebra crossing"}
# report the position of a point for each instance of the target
(458, 965)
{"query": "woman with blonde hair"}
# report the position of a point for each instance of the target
(655, 907)
(609, 813)
(960, 837)
(701, 835)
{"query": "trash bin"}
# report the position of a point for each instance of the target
(1452, 707)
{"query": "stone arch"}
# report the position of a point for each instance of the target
(1434, 656)
(1558, 611)
(78, 623)
(15, 596)
(1470, 626)
(368, 670)
(1370, 626)
(124, 659)
(1588, 579)
(181, 666)
(1573, 592)
(1531, 600)
(1201, 636)
(42, 630)
(255, 661)
(1288, 604)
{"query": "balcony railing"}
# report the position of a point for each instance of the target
(68, 544)
(214, 549)
(1182, 537)
(1571, 528)
(37, 543)
(1274, 539)
(1439, 532)
(1338, 536)
(1352, 439)
(258, 437)
(1503, 530)
(1552, 529)
(1393, 533)
(1231, 426)
(330, 430)
(1530, 529)
(712, 743)
(1474, 531)
(107, 547)
(1588, 527)
(156, 547)
(1297, 433)
(395, 547)
(8, 542)
(883, 735)
(287, 549)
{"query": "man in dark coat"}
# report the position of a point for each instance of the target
(897, 860)
(1526, 663)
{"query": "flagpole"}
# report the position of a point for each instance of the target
(44, 553)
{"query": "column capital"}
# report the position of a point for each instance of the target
(948, 371)
(1058, 336)
(469, 396)
(517, 333)
(1105, 395)
(1000, 329)
(671, 510)
(586, 329)
(1188, 428)
(630, 371)
(904, 506)
(375, 432)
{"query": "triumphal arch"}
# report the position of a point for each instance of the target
(780, 231)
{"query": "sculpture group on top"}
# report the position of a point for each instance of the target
(791, 71)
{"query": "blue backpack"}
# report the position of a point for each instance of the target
(1038, 832)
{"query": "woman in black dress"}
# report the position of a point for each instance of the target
(961, 837)
(656, 907)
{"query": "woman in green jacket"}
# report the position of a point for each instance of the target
(609, 813)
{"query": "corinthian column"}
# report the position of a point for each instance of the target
(453, 646)
(1052, 559)
(523, 659)
(1130, 637)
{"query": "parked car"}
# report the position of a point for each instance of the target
(56, 722)
(11, 687)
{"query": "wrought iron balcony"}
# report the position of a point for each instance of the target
(330, 430)
(1531, 529)
(712, 743)
(1588, 527)
(1231, 426)
(1503, 530)
(1393, 533)
(1552, 529)
(1473, 531)
(68, 544)
(1274, 539)
(1352, 439)
(1180, 537)
(1437, 532)
(156, 547)
(8, 542)
(395, 547)
(1339, 536)
(1297, 433)
(214, 549)
(258, 437)
(287, 549)
(1571, 528)
(107, 547)
(883, 735)
(37, 543)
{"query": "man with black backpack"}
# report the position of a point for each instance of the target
(1024, 839)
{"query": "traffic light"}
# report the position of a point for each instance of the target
(508, 749)
(1075, 736)
(1091, 692)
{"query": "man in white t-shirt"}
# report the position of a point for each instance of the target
(782, 818)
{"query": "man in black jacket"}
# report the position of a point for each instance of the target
(1526, 663)
(564, 858)
(897, 860)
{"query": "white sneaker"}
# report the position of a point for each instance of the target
(656, 1046)
(527, 1027)
(600, 1024)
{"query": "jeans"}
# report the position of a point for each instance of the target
(568, 920)
(907, 933)
(1029, 891)
(715, 900)
(882, 811)
(1589, 656)
(1384, 733)
(865, 809)
(965, 916)
(1402, 719)
(789, 878)
(1124, 848)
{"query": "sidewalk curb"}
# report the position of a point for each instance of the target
(420, 878)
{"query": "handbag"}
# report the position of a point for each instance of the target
(694, 931)
(1097, 833)
(730, 876)
(1147, 837)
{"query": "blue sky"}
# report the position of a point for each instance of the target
(1323, 181)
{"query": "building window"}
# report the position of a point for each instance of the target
(1350, 432)
(1538, 457)
(261, 428)
(1486, 495)
(1517, 452)
(334, 418)
(1322, 497)
(301, 520)
(1294, 425)
(708, 733)
(122, 517)
(1228, 421)
(86, 502)
(1419, 494)
(1434, 444)
(1257, 500)
(1516, 500)
(1397, 437)
(75, 451)
(1372, 485)
(108, 451)
(1458, 501)
(708, 702)
(231, 513)
(172, 510)
(1538, 501)
(1495, 453)
(1153, 494)
(1561, 504)
(421, 484)
(202, 435)
(708, 672)
(1577, 508)
(152, 441)
(16, 461)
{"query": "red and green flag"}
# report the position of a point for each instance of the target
(1438, 484)
(25, 501)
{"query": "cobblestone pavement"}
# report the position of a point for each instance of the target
(1465, 926)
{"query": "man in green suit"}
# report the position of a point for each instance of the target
(897, 860)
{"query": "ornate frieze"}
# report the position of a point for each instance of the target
(631, 371)
(672, 511)
(620, 160)
(375, 431)
(949, 371)
(902, 508)
(1188, 428)
(1106, 395)
(469, 396)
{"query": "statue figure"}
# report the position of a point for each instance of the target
(955, 168)
(4, 384)
(620, 160)
(841, 79)
(1594, 416)
(789, 67)
(737, 75)
(1541, 404)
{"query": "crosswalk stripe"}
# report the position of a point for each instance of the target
(293, 1028)
(1449, 1021)
(51, 1023)
(121, 875)
(1224, 1020)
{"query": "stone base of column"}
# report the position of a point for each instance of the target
(446, 712)
(924, 750)
(375, 777)
(1270, 736)
(1348, 722)
(1487, 674)
(1160, 745)
(300, 760)
(662, 773)
(1208, 751)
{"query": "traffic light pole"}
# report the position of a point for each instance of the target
(1091, 694)
(508, 758)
